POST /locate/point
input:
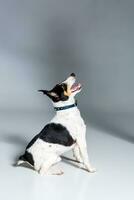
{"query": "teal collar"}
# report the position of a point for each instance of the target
(65, 107)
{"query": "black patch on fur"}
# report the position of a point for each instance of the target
(59, 91)
(32, 141)
(27, 157)
(51, 133)
(56, 134)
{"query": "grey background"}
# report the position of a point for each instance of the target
(42, 42)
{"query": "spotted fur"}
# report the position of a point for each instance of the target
(66, 131)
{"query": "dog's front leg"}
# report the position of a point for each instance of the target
(76, 154)
(84, 155)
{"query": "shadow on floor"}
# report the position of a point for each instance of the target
(73, 162)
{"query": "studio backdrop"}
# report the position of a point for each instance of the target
(42, 42)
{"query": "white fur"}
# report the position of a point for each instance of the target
(74, 123)
(45, 154)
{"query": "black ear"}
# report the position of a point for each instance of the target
(50, 94)
(43, 91)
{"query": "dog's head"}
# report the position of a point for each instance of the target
(64, 91)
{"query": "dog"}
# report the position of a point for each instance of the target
(66, 131)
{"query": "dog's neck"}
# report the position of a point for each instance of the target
(64, 103)
(66, 107)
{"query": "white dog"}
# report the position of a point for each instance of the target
(65, 131)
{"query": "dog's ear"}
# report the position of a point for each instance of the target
(52, 94)
(43, 91)
(49, 93)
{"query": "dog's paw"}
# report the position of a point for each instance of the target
(91, 170)
(51, 172)
(58, 172)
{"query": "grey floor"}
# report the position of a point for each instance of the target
(112, 156)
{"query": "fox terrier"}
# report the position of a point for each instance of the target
(66, 131)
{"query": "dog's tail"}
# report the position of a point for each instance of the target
(21, 160)
(25, 158)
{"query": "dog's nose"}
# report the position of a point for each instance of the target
(73, 74)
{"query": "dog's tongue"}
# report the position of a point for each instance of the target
(75, 87)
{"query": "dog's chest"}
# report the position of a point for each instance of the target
(73, 122)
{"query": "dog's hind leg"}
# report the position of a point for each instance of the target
(55, 170)
(46, 167)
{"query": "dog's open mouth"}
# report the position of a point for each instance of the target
(76, 87)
